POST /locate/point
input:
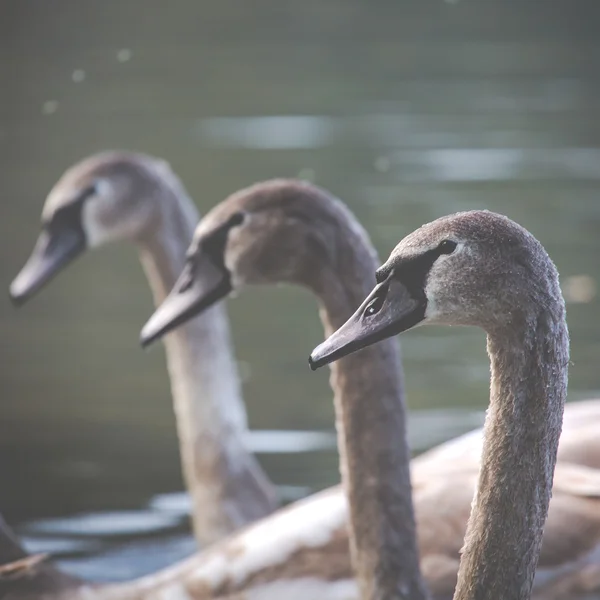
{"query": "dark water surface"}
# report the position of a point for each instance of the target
(405, 110)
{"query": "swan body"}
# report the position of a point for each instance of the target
(579, 442)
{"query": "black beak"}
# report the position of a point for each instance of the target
(388, 310)
(52, 252)
(200, 285)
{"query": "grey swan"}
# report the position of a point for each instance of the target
(125, 196)
(481, 269)
(303, 550)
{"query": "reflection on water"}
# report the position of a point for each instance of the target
(276, 442)
(267, 133)
(128, 560)
(104, 524)
(431, 161)
(406, 111)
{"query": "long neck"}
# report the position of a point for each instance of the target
(374, 454)
(227, 485)
(522, 429)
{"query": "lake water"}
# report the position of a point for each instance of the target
(405, 110)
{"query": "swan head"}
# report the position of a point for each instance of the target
(104, 198)
(272, 232)
(473, 268)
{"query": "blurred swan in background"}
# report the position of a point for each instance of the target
(115, 196)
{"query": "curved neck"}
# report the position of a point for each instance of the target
(522, 429)
(371, 426)
(227, 485)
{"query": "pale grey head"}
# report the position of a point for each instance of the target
(107, 197)
(281, 230)
(472, 268)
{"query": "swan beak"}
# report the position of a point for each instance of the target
(51, 253)
(199, 286)
(388, 310)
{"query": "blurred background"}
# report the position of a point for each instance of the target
(406, 110)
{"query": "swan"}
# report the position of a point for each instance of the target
(114, 196)
(481, 269)
(302, 551)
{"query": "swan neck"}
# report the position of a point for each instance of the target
(371, 427)
(227, 485)
(521, 434)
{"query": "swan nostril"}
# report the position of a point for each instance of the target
(186, 279)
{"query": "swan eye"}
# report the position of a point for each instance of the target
(375, 305)
(87, 192)
(236, 219)
(186, 278)
(91, 190)
(447, 246)
(381, 276)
